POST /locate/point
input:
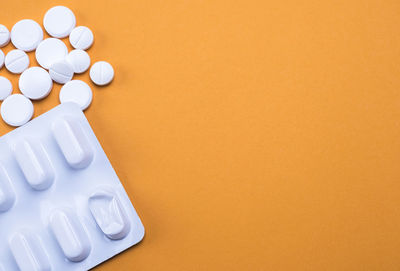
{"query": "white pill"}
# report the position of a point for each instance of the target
(79, 59)
(59, 21)
(78, 92)
(101, 73)
(5, 88)
(61, 71)
(26, 35)
(35, 83)
(49, 51)
(81, 37)
(1, 59)
(17, 61)
(16, 110)
(4, 36)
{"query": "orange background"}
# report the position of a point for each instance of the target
(250, 135)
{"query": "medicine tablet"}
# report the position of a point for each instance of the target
(79, 59)
(1, 59)
(16, 110)
(61, 71)
(78, 92)
(5, 88)
(101, 73)
(35, 83)
(59, 21)
(26, 35)
(4, 36)
(49, 51)
(81, 37)
(17, 61)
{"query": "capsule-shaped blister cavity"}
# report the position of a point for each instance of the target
(109, 214)
(34, 163)
(73, 142)
(7, 194)
(70, 235)
(29, 253)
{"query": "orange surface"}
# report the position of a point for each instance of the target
(250, 135)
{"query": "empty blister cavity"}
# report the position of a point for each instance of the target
(70, 235)
(28, 252)
(107, 210)
(34, 163)
(73, 142)
(7, 194)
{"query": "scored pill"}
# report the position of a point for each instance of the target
(61, 71)
(1, 59)
(4, 36)
(101, 73)
(79, 59)
(16, 61)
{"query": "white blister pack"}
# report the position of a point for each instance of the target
(62, 206)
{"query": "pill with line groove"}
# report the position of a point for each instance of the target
(17, 61)
(81, 37)
(4, 36)
(61, 71)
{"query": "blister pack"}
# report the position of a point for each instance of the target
(62, 206)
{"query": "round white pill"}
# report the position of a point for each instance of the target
(26, 35)
(16, 110)
(101, 73)
(79, 59)
(49, 51)
(4, 36)
(35, 83)
(17, 61)
(81, 37)
(78, 92)
(61, 71)
(59, 21)
(1, 59)
(5, 88)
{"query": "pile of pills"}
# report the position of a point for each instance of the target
(57, 64)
